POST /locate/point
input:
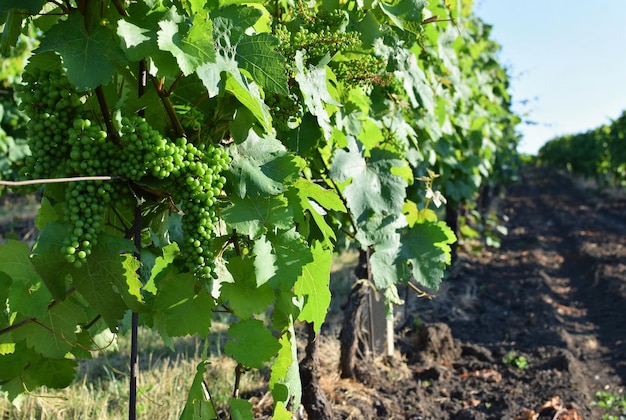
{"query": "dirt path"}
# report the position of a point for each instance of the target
(552, 300)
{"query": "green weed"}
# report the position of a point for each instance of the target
(513, 359)
(614, 403)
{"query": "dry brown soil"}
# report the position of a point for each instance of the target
(554, 295)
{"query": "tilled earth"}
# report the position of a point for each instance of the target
(531, 330)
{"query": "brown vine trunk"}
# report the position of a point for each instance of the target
(314, 400)
(484, 199)
(352, 338)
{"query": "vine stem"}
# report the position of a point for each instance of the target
(58, 180)
(106, 115)
(239, 370)
(134, 342)
(29, 320)
(169, 109)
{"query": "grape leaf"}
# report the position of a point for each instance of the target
(46, 213)
(26, 369)
(251, 334)
(254, 53)
(5, 285)
(244, 296)
(53, 373)
(99, 337)
(286, 307)
(112, 255)
(139, 35)
(291, 253)
(254, 216)
(426, 246)
(373, 187)
(324, 197)
(257, 55)
(404, 12)
(179, 308)
(313, 285)
(12, 30)
(169, 252)
(285, 381)
(33, 6)
(194, 6)
(54, 334)
(261, 166)
(28, 294)
(370, 30)
(129, 284)
(264, 261)
(191, 49)
(313, 84)
(229, 25)
(379, 228)
(250, 97)
(423, 251)
(198, 405)
(105, 268)
(281, 364)
(316, 200)
(88, 57)
(281, 413)
(48, 258)
(240, 409)
(414, 81)
(305, 137)
(12, 364)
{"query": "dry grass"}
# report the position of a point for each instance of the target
(101, 389)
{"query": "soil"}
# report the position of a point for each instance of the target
(531, 330)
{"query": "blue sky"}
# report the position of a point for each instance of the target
(567, 61)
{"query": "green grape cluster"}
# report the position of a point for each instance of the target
(367, 70)
(84, 208)
(323, 42)
(191, 176)
(51, 104)
(286, 111)
(201, 175)
(85, 201)
(316, 34)
(66, 143)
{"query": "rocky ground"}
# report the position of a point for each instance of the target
(531, 330)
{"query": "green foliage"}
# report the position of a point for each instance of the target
(614, 403)
(261, 143)
(512, 358)
(13, 147)
(597, 154)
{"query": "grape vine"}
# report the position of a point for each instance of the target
(597, 154)
(265, 139)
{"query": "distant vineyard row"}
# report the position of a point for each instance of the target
(599, 153)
